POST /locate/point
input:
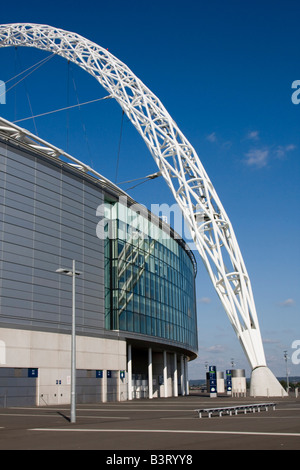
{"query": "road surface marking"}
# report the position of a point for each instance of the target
(170, 431)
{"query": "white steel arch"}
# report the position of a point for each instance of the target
(181, 167)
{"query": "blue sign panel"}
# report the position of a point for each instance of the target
(228, 380)
(99, 374)
(122, 374)
(33, 373)
(109, 374)
(212, 371)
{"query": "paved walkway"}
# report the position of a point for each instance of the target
(169, 424)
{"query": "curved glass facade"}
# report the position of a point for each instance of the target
(149, 279)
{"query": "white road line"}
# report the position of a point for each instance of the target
(170, 431)
(105, 410)
(26, 415)
(125, 408)
(240, 416)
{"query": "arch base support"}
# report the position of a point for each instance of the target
(265, 384)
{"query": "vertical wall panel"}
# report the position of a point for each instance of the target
(48, 218)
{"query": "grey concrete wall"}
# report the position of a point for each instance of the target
(47, 219)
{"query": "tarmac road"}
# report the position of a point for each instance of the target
(160, 426)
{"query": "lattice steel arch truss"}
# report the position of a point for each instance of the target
(181, 167)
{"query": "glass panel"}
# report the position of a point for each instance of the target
(151, 280)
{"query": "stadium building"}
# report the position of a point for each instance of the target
(134, 292)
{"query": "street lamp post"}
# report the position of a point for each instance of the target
(287, 373)
(72, 272)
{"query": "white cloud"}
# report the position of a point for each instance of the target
(253, 135)
(205, 300)
(212, 137)
(288, 303)
(270, 341)
(257, 157)
(216, 348)
(281, 151)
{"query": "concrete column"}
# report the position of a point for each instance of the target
(186, 370)
(175, 378)
(150, 376)
(129, 372)
(104, 386)
(165, 374)
(182, 384)
(118, 387)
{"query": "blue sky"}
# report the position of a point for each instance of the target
(224, 72)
